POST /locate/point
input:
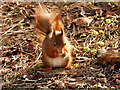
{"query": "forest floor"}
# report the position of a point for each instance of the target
(92, 29)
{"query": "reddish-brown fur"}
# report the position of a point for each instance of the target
(56, 50)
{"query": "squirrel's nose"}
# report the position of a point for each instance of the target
(60, 52)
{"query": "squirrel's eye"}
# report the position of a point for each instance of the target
(65, 43)
(54, 44)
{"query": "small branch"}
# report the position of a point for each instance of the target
(18, 32)
(35, 60)
(12, 27)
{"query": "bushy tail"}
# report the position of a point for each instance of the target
(46, 21)
(42, 17)
(45, 18)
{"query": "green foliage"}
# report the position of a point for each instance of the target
(90, 17)
(101, 43)
(90, 3)
(37, 66)
(108, 21)
(112, 88)
(72, 47)
(101, 31)
(14, 14)
(112, 4)
(76, 65)
(20, 25)
(99, 2)
(113, 24)
(94, 51)
(105, 87)
(95, 33)
(113, 45)
(82, 35)
(97, 86)
(102, 21)
(86, 49)
(104, 36)
(65, 6)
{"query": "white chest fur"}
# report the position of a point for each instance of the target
(57, 62)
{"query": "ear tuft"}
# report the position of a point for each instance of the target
(62, 32)
(57, 19)
(54, 34)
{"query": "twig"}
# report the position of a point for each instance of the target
(12, 27)
(18, 32)
(35, 60)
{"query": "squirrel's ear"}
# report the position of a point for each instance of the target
(54, 33)
(62, 32)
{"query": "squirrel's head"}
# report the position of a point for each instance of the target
(59, 41)
(56, 38)
(56, 43)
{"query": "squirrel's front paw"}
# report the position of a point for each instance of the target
(46, 69)
(69, 66)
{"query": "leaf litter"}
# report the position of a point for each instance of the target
(92, 29)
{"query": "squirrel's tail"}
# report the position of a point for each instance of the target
(46, 20)
(42, 17)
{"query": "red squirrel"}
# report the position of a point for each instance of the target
(56, 50)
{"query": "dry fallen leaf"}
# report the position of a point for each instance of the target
(72, 85)
(112, 68)
(62, 73)
(5, 70)
(118, 81)
(61, 84)
(104, 80)
(108, 57)
(92, 82)
(77, 75)
(83, 21)
(101, 75)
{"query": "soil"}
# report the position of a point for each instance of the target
(92, 29)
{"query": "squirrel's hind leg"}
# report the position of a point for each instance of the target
(69, 64)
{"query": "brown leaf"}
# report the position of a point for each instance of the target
(17, 18)
(4, 70)
(30, 77)
(101, 75)
(92, 82)
(108, 57)
(105, 6)
(62, 73)
(72, 85)
(81, 59)
(112, 68)
(71, 79)
(59, 4)
(83, 21)
(104, 80)
(30, 47)
(69, 19)
(61, 85)
(118, 81)
(77, 75)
